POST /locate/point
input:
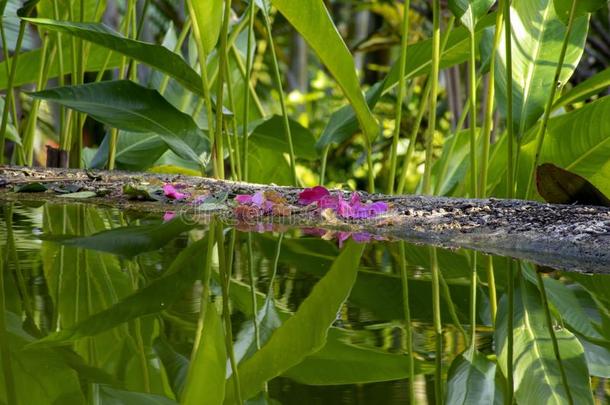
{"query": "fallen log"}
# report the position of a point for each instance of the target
(567, 237)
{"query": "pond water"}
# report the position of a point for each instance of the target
(118, 317)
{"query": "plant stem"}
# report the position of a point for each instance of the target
(509, 99)
(409, 334)
(473, 116)
(549, 105)
(510, 292)
(222, 62)
(324, 162)
(436, 36)
(205, 282)
(278, 81)
(549, 324)
(420, 115)
(248, 82)
(489, 108)
(473, 301)
(491, 285)
(400, 95)
(234, 153)
(225, 277)
(180, 41)
(9, 90)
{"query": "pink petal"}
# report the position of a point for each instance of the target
(329, 202)
(344, 209)
(355, 200)
(311, 195)
(168, 216)
(170, 192)
(243, 199)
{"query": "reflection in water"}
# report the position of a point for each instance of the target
(119, 315)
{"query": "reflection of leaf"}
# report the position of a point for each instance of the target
(559, 186)
(536, 370)
(112, 396)
(306, 331)
(155, 297)
(129, 240)
(340, 362)
(471, 379)
(175, 365)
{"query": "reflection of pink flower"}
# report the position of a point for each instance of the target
(168, 216)
(172, 192)
(311, 195)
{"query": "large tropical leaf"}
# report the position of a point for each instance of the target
(312, 20)
(471, 379)
(266, 135)
(537, 36)
(208, 20)
(563, 7)
(306, 331)
(537, 375)
(156, 56)
(131, 107)
(593, 85)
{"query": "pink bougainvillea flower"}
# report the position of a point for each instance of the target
(311, 195)
(168, 216)
(172, 192)
(243, 199)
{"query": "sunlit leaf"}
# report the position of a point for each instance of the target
(469, 11)
(563, 7)
(208, 21)
(471, 379)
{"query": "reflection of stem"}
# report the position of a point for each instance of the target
(7, 367)
(549, 324)
(549, 104)
(473, 302)
(253, 291)
(438, 327)
(491, 285)
(205, 292)
(225, 277)
(509, 328)
(12, 253)
(407, 312)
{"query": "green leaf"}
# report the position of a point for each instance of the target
(79, 194)
(131, 107)
(560, 186)
(156, 56)
(128, 241)
(537, 39)
(268, 135)
(312, 20)
(469, 11)
(471, 379)
(342, 362)
(268, 166)
(563, 8)
(155, 297)
(306, 331)
(537, 377)
(208, 21)
(593, 85)
(112, 396)
(175, 365)
(206, 377)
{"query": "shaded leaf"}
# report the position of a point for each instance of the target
(131, 107)
(268, 135)
(559, 186)
(112, 396)
(471, 379)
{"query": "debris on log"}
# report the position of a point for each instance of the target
(561, 236)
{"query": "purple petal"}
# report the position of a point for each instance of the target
(329, 202)
(258, 198)
(311, 195)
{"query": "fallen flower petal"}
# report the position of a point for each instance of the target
(171, 192)
(311, 195)
(243, 199)
(258, 199)
(168, 216)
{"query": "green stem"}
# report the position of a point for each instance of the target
(409, 333)
(181, 38)
(248, 81)
(6, 56)
(473, 115)
(400, 95)
(205, 292)
(9, 89)
(491, 285)
(551, 329)
(510, 292)
(60, 54)
(225, 278)
(324, 162)
(278, 81)
(234, 153)
(473, 301)
(420, 115)
(489, 108)
(549, 105)
(509, 99)
(438, 327)
(436, 36)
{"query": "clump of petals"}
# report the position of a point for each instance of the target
(311, 195)
(172, 192)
